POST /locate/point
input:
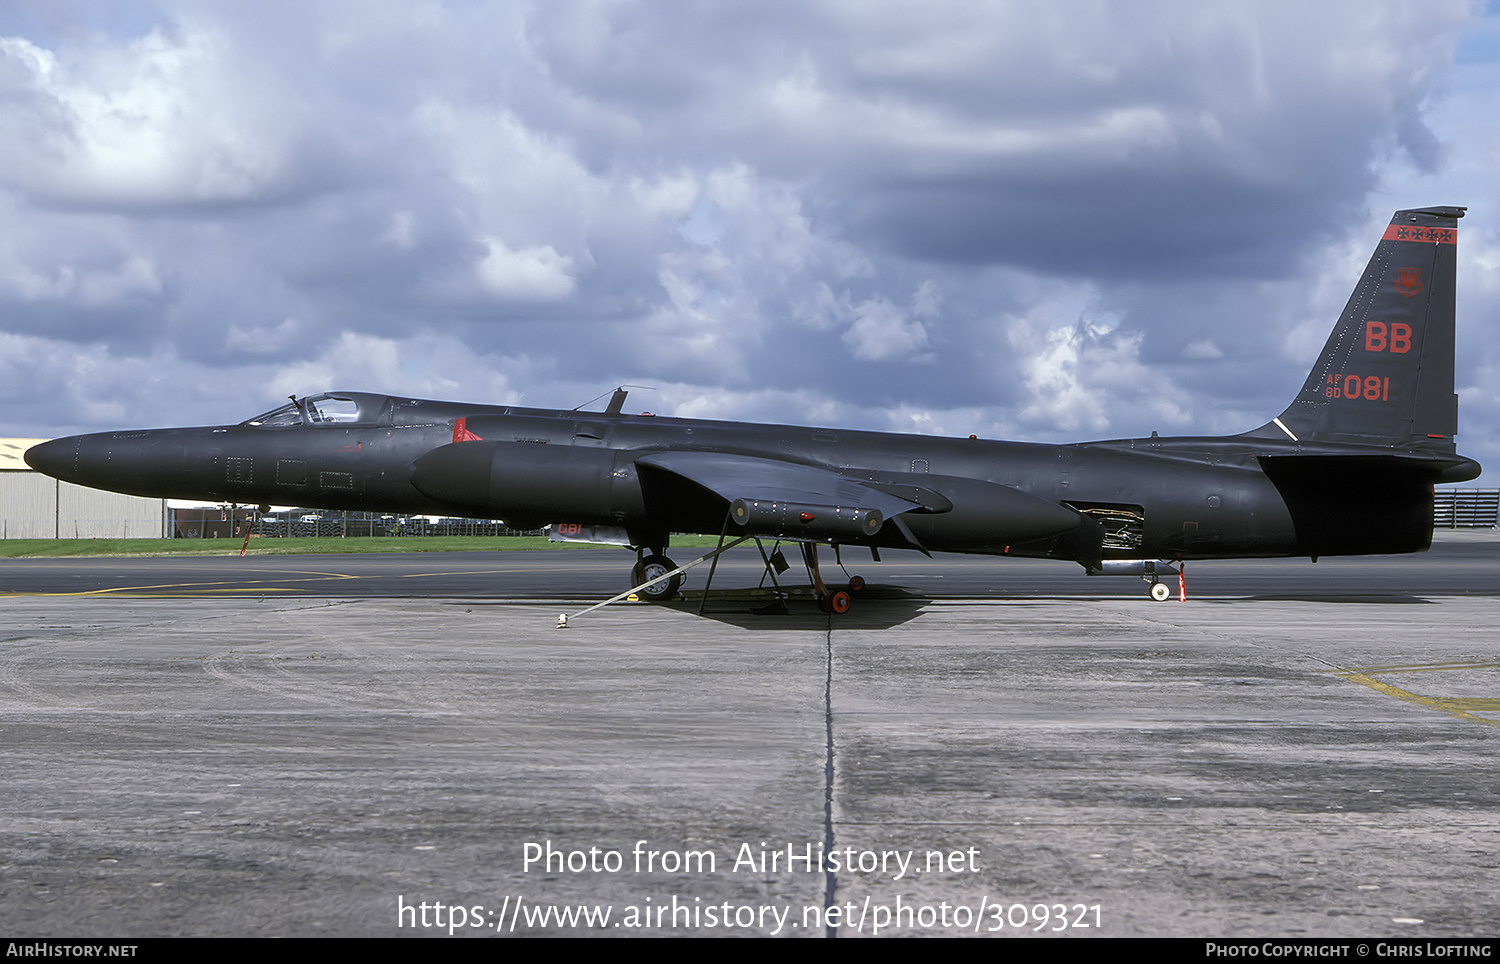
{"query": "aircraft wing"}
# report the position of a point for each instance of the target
(750, 477)
(786, 498)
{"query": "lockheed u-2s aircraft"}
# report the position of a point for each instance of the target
(1348, 468)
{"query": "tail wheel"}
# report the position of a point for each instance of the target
(652, 567)
(1160, 591)
(839, 602)
(856, 583)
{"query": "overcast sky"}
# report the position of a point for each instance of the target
(1049, 221)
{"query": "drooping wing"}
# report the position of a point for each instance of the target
(750, 477)
(788, 499)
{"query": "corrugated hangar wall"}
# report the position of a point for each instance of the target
(33, 506)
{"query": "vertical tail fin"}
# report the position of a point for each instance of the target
(1386, 373)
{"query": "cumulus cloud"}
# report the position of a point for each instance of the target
(1084, 372)
(139, 123)
(84, 286)
(538, 273)
(882, 331)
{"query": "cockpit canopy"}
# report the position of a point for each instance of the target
(328, 408)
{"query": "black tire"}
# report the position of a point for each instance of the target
(650, 568)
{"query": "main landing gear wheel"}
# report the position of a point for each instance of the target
(1160, 591)
(836, 602)
(651, 567)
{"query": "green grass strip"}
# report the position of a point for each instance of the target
(271, 546)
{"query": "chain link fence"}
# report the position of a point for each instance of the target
(1466, 508)
(226, 523)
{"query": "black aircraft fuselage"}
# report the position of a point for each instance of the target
(1348, 468)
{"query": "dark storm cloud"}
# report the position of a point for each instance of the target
(1034, 219)
(1084, 139)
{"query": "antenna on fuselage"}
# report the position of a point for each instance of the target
(617, 400)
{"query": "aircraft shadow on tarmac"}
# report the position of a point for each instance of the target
(877, 607)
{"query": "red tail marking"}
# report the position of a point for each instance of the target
(1402, 232)
(1409, 281)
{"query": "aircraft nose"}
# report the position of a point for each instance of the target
(137, 463)
(57, 458)
(159, 463)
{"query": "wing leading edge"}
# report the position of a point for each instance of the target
(786, 499)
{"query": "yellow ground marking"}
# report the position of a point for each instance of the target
(1463, 707)
(1418, 667)
(225, 585)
